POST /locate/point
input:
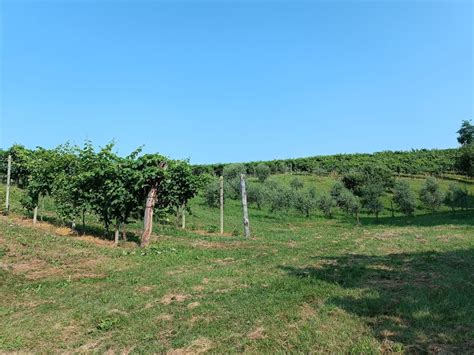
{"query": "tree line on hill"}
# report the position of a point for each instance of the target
(417, 161)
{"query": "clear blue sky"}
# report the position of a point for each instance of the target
(237, 81)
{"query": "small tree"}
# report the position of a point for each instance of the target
(304, 202)
(262, 171)
(465, 160)
(337, 190)
(257, 194)
(296, 183)
(281, 199)
(456, 196)
(349, 203)
(370, 199)
(404, 198)
(326, 204)
(466, 133)
(431, 195)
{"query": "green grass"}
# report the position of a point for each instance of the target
(300, 285)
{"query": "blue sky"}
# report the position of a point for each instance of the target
(223, 81)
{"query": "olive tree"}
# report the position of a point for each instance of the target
(404, 198)
(431, 195)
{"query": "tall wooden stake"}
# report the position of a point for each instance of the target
(244, 206)
(183, 216)
(221, 199)
(7, 199)
(35, 215)
(148, 217)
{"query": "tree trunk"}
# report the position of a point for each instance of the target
(148, 216)
(116, 234)
(124, 232)
(183, 216)
(391, 208)
(244, 206)
(35, 215)
(357, 218)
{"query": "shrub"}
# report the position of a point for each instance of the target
(349, 203)
(465, 160)
(262, 171)
(431, 195)
(281, 199)
(404, 198)
(257, 194)
(336, 192)
(232, 188)
(233, 171)
(304, 203)
(357, 180)
(326, 203)
(370, 199)
(296, 183)
(456, 196)
(212, 194)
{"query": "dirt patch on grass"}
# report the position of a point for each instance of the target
(164, 317)
(204, 244)
(145, 289)
(198, 346)
(193, 305)
(256, 334)
(174, 297)
(307, 312)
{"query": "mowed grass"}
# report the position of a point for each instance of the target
(299, 285)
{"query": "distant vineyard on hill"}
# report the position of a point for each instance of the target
(422, 161)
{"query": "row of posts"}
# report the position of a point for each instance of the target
(243, 193)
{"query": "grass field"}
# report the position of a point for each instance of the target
(299, 285)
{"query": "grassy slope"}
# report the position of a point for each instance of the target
(299, 285)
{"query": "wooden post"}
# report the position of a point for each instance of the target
(116, 234)
(183, 216)
(148, 217)
(7, 199)
(243, 192)
(221, 199)
(35, 215)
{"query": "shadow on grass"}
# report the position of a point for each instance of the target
(424, 220)
(95, 231)
(422, 300)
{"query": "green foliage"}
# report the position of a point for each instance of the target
(465, 160)
(262, 171)
(296, 183)
(349, 203)
(304, 202)
(257, 194)
(456, 196)
(358, 180)
(431, 195)
(326, 204)
(422, 161)
(212, 194)
(466, 133)
(404, 198)
(371, 194)
(281, 198)
(233, 171)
